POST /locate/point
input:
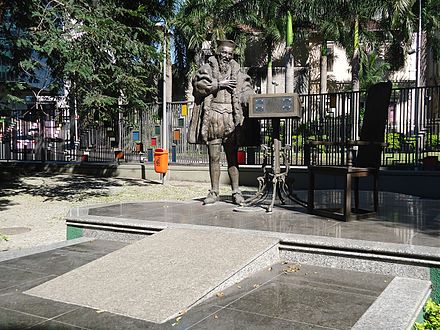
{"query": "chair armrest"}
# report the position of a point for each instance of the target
(366, 143)
(324, 143)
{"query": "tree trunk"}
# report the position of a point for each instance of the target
(355, 60)
(169, 72)
(290, 78)
(269, 87)
(323, 70)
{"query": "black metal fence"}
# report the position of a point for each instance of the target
(412, 132)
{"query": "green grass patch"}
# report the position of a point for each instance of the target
(431, 316)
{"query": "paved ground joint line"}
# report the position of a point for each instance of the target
(280, 318)
(54, 317)
(235, 300)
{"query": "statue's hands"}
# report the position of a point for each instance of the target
(228, 84)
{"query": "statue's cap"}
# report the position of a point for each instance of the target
(226, 43)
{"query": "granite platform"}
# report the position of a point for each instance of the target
(403, 236)
(282, 296)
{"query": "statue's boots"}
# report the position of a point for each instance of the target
(211, 198)
(238, 198)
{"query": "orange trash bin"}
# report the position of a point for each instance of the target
(160, 160)
(241, 157)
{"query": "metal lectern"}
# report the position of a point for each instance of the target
(274, 107)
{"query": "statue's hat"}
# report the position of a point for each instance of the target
(226, 43)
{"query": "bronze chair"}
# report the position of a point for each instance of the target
(366, 163)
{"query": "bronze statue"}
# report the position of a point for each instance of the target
(221, 92)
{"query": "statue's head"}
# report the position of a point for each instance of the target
(225, 50)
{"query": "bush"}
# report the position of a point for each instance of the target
(393, 141)
(431, 317)
(432, 141)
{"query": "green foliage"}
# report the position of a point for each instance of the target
(372, 70)
(432, 141)
(104, 51)
(298, 140)
(410, 141)
(393, 141)
(431, 317)
(431, 25)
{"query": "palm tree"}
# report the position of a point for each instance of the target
(198, 22)
(263, 17)
(389, 16)
(351, 24)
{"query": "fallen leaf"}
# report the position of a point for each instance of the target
(182, 312)
(220, 294)
(291, 269)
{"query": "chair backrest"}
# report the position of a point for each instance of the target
(374, 122)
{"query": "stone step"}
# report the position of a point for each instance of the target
(397, 307)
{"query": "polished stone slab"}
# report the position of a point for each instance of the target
(293, 296)
(401, 219)
(157, 277)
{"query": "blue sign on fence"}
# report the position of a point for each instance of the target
(135, 135)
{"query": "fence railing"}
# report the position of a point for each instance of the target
(412, 132)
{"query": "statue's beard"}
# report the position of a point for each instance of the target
(223, 66)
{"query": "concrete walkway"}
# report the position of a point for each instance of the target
(33, 208)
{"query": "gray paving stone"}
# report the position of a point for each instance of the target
(8, 255)
(305, 304)
(235, 319)
(157, 277)
(10, 319)
(20, 302)
(11, 277)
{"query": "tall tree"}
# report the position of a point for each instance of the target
(265, 19)
(198, 22)
(104, 50)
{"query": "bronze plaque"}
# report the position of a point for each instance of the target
(275, 106)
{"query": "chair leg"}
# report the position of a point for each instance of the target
(347, 198)
(356, 193)
(376, 192)
(311, 192)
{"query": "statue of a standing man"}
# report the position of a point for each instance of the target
(220, 90)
